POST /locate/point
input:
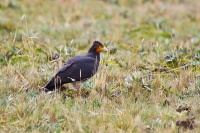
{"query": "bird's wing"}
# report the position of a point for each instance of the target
(76, 69)
(56, 80)
(65, 66)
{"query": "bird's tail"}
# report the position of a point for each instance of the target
(53, 84)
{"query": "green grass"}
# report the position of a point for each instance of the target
(152, 68)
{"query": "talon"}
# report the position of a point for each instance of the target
(79, 92)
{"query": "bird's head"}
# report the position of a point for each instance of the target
(97, 47)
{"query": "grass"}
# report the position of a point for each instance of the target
(152, 67)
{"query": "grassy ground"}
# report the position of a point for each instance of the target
(153, 66)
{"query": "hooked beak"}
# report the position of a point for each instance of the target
(105, 49)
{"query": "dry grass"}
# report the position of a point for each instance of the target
(152, 67)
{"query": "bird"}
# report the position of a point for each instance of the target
(77, 69)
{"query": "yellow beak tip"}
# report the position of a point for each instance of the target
(105, 49)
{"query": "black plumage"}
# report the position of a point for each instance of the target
(77, 69)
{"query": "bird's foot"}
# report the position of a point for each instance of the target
(79, 92)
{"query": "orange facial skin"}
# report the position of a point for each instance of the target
(99, 49)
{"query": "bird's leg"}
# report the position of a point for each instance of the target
(79, 92)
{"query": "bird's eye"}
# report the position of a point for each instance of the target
(99, 48)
